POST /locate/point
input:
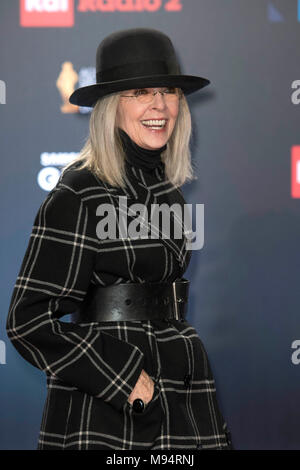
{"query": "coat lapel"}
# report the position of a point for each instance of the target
(151, 191)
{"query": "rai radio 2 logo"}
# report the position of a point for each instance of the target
(60, 13)
(47, 13)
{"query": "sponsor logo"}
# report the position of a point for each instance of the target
(66, 81)
(295, 171)
(279, 11)
(128, 5)
(47, 13)
(65, 84)
(48, 176)
(274, 13)
(60, 13)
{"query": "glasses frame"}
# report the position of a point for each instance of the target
(179, 94)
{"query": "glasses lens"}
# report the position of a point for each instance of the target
(146, 96)
(143, 95)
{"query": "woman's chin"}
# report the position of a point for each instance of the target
(154, 140)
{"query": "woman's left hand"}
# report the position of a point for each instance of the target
(144, 388)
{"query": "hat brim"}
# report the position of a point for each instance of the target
(88, 95)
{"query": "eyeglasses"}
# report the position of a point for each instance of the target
(146, 96)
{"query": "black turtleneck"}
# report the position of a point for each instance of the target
(140, 157)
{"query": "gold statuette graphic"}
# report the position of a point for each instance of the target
(65, 83)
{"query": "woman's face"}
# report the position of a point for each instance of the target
(131, 117)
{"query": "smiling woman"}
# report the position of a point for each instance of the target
(129, 372)
(149, 117)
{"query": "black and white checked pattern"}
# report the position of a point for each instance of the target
(91, 368)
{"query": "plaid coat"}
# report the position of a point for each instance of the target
(91, 368)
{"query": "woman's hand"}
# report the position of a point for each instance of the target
(143, 389)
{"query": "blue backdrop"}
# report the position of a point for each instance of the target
(245, 291)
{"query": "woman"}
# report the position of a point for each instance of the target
(129, 372)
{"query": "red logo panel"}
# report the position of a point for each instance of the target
(47, 13)
(295, 174)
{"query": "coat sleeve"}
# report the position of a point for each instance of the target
(52, 282)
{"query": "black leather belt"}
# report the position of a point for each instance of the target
(135, 301)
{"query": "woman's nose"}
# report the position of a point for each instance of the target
(158, 100)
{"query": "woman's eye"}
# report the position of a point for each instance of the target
(140, 92)
(170, 90)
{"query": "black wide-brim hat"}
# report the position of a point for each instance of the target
(135, 58)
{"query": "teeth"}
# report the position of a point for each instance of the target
(152, 122)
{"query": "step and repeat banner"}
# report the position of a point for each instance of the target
(245, 287)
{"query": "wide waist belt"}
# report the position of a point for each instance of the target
(135, 301)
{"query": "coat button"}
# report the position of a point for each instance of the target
(138, 405)
(187, 379)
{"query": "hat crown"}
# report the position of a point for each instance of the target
(135, 58)
(136, 52)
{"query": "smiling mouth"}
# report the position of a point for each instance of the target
(155, 124)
